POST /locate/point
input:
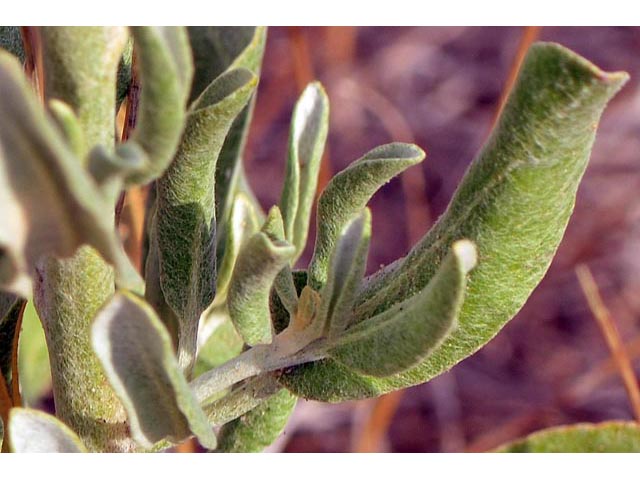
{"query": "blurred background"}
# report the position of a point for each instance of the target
(441, 88)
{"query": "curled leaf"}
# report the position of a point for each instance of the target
(32, 431)
(348, 193)
(513, 203)
(137, 355)
(346, 269)
(258, 428)
(259, 262)
(74, 213)
(404, 335)
(184, 222)
(308, 134)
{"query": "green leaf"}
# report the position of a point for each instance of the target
(259, 262)
(513, 203)
(401, 337)
(33, 359)
(74, 213)
(309, 126)
(166, 71)
(258, 428)
(348, 193)
(346, 270)
(607, 437)
(32, 431)
(80, 66)
(136, 353)
(184, 225)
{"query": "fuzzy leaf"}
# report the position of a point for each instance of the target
(260, 260)
(136, 353)
(258, 428)
(348, 193)
(404, 335)
(216, 50)
(184, 225)
(308, 134)
(74, 212)
(346, 270)
(32, 431)
(166, 71)
(80, 66)
(513, 203)
(607, 437)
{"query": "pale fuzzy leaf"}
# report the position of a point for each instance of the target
(184, 225)
(137, 355)
(404, 335)
(260, 427)
(607, 437)
(260, 260)
(348, 193)
(513, 203)
(32, 431)
(44, 167)
(166, 71)
(309, 126)
(80, 67)
(346, 269)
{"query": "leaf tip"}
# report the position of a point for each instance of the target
(466, 253)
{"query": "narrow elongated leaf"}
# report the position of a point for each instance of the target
(216, 50)
(348, 193)
(309, 126)
(260, 260)
(136, 353)
(74, 213)
(166, 71)
(184, 225)
(258, 428)
(404, 335)
(32, 431)
(80, 68)
(347, 267)
(513, 203)
(607, 437)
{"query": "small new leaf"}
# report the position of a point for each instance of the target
(404, 335)
(348, 193)
(137, 355)
(307, 138)
(32, 431)
(346, 269)
(259, 262)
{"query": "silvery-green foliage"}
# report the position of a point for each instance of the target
(220, 331)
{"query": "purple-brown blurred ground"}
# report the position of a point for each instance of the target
(444, 84)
